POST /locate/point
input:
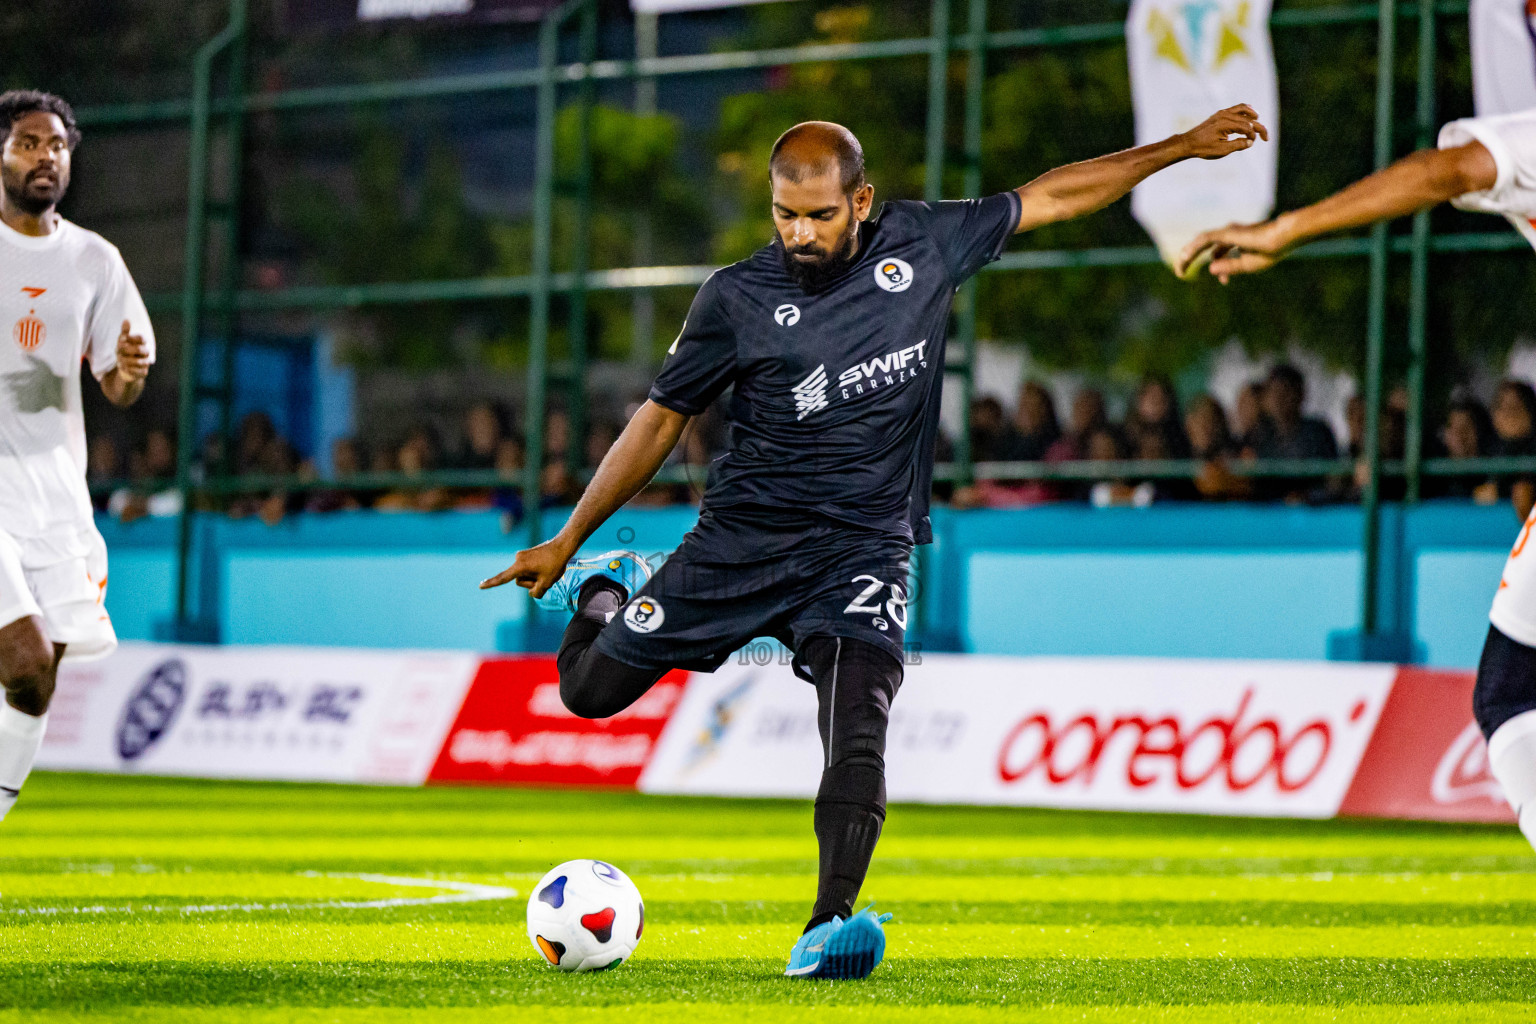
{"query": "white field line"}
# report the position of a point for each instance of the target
(462, 892)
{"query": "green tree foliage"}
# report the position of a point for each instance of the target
(1046, 107)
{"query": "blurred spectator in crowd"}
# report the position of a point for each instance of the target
(557, 435)
(558, 487)
(508, 499)
(1155, 410)
(1466, 434)
(1284, 433)
(276, 458)
(150, 468)
(1210, 441)
(1392, 434)
(1106, 445)
(255, 433)
(1035, 427)
(485, 426)
(1247, 414)
(1514, 425)
(601, 435)
(421, 452)
(103, 465)
(346, 463)
(1152, 444)
(1087, 415)
(991, 437)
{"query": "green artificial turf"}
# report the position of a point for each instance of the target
(126, 899)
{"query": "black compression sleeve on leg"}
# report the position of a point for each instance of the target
(855, 684)
(593, 685)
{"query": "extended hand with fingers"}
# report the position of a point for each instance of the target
(1225, 132)
(1236, 249)
(536, 569)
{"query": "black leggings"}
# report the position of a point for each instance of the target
(855, 684)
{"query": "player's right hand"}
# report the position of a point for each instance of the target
(1235, 249)
(536, 569)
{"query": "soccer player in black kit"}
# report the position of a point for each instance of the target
(832, 337)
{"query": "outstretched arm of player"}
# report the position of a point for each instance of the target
(1416, 182)
(124, 383)
(629, 465)
(1082, 188)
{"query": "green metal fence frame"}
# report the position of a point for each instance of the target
(196, 301)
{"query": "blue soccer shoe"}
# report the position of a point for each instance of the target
(626, 568)
(840, 949)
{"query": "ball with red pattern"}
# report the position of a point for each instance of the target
(585, 915)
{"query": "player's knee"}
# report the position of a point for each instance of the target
(29, 679)
(1506, 682)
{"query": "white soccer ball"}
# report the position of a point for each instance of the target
(585, 915)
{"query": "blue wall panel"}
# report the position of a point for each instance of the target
(1239, 581)
(1163, 603)
(1453, 590)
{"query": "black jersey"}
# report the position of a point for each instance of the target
(836, 400)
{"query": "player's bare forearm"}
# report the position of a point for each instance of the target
(630, 464)
(120, 390)
(1083, 188)
(1417, 182)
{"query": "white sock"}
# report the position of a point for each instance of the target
(20, 736)
(1512, 760)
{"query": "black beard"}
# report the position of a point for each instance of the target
(813, 277)
(28, 202)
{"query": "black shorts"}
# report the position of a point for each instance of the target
(744, 573)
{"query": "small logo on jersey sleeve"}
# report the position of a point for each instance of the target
(811, 393)
(644, 615)
(893, 275)
(787, 315)
(29, 331)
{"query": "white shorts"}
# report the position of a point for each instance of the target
(69, 596)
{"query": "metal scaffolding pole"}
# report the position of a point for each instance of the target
(1370, 504)
(192, 299)
(1418, 282)
(543, 274)
(965, 321)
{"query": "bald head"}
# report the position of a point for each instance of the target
(815, 148)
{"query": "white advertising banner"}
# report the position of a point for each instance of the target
(287, 713)
(1189, 59)
(1243, 737)
(1503, 56)
(668, 6)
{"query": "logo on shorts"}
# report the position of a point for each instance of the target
(787, 315)
(893, 275)
(152, 708)
(644, 615)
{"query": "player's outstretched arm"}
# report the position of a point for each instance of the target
(1416, 182)
(1081, 188)
(629, 465)
(124, 383)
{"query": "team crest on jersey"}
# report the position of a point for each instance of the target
(29, 331)
(893, 275)
(644, 615)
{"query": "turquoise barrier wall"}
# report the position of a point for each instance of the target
(1204, 581)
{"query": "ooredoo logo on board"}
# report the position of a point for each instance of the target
(1237, 751)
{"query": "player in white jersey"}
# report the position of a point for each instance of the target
(1487, 164)
(65, 297)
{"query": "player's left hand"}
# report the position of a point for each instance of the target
(1224, 132)
(132, 356)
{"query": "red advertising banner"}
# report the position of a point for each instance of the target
(513, 728)
(1427, 758)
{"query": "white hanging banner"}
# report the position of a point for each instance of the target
(1189, 59)
(1503, 56)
